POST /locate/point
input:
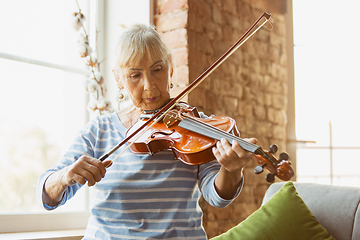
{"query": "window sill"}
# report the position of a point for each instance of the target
(75, 234)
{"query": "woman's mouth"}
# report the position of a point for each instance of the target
(151, 99)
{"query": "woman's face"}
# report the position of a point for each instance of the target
(147, 84)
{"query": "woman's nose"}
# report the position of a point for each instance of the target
(149, 82)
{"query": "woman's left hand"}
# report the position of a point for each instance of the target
(232, 157)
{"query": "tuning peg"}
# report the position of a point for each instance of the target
(283, 156)
(270, 177)
(273, 149)
(259, 169)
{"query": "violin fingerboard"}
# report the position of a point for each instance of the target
(215, 133)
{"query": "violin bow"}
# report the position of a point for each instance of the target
(171, 104)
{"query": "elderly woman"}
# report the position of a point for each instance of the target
(142, 196)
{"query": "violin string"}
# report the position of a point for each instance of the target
(259, 150)
(207, 126)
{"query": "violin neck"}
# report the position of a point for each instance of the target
(207, 130)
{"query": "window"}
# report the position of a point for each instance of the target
(44, 100)
(326, 59)
(42, 85)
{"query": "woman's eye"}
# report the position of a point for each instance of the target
(157, 68)
(135, 76)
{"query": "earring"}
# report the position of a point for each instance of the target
(120, 95)
(171, 85)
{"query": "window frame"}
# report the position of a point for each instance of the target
(10, 223)
(291, 132)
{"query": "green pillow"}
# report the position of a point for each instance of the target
(284, 217)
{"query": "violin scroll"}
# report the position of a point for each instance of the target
(280, 168)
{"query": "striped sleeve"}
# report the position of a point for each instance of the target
(207, 175)
(82, 145)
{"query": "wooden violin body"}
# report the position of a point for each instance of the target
(191, 139)
(190, 147)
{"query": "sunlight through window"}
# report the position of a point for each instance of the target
(326, 50)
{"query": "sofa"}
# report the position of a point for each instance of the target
(302, 211)
(335, 208)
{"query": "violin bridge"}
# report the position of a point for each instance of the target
(171, 118)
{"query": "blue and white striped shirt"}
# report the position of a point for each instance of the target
(141, 196)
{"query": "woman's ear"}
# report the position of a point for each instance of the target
(117, 78)
(171, 64)
(171, 72)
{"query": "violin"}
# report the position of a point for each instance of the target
(152, 136)
(191, 139)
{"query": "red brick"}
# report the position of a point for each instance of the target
(279, 101)
(222, 214)
(171, 5)
(201, 9)
(259, 98)
(181, 56)
(251, 125)
(181, 76)
(176, 91)
(279, 132)
(244, 12)
(176, 39)
(198, 59)
(264, 129)
(263, 5)
(231, 104)
(277, 7)
(249, 93)
(252, 179)
(217, 15)
(234, 22)
(260, 112)
(197, 97)
(213, 31)
(167, 22)
(272, 86)
(212, 228)
(277, 116)
(202, 43)
(199, 15)
(212, 101)
(265, 68)
(246, 195)
(157, 6)
(243, 210)
(193, 23)
(260, 191)
(245, 109)
(229, 6)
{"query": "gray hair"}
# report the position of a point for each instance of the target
(139, 42)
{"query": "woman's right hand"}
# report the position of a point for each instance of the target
(85, 169)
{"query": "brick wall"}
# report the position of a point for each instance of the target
(251, 86)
